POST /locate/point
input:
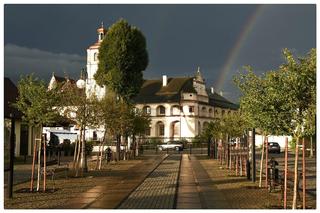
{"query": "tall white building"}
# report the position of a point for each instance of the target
(92, 65)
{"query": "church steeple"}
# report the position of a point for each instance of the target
(101, 32)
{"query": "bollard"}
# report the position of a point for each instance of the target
(248, 169)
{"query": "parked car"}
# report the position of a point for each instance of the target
(273, 147)
(176, 145)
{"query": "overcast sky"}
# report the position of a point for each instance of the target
(220, 39)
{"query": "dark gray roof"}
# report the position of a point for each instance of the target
(152, 91)
(218, 101)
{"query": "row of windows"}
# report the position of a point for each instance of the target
(175, 110)
(161, 110)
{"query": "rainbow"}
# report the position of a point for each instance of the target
(233, 54)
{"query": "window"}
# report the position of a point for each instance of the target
(148, 131)
(147, 110)
(94, 136)
(95, 56)
(191, 109)
(161, 110)
(160, 129)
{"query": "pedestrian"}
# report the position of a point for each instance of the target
(109, 155)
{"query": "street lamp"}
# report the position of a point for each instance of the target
(81, 84)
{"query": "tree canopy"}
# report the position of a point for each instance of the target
(36, 102)
(122, 58)
(281, 101)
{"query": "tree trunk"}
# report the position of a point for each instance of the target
(295, 189)
(311, 147)
(285, 173)
(83, 153)
(303, 175)
(267, 158)
(78, 154)
(33, 158)
(102, 150)
(75, 154)
(44, 164)
(98, 156)
(101, 155)
(261, 162)
(39, 162)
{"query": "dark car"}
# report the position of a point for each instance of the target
(273, 147)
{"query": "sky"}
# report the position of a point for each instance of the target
(220, 39)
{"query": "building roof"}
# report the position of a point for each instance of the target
(10, 97)
(152, 91)
(219, 101)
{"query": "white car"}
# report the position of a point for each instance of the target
(176, 145)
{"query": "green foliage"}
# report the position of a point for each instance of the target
(122, 58)
(36, 102)
(281, 101)
(140, 122)
(75, 105)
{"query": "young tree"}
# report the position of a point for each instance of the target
(37, 105)
(75, 106)
(282, 101)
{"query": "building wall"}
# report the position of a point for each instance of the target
(92, 67)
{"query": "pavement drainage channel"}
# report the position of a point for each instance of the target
(158, 190)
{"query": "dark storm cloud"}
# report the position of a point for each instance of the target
(179, 37)
(23, 61)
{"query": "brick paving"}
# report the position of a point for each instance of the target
(158, 190)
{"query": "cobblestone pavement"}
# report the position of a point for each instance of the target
(158, 190)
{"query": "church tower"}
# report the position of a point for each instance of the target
(92, 65)
(200, 87)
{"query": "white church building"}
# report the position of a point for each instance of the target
(179, 107)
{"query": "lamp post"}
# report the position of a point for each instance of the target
(81, 84)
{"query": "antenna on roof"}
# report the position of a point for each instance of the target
(102, 24)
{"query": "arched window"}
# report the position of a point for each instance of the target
(161, 110)
(210, 112)
(95, 57)
(148, 131)
(160, 129)
(222, 113)
(146, 110)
